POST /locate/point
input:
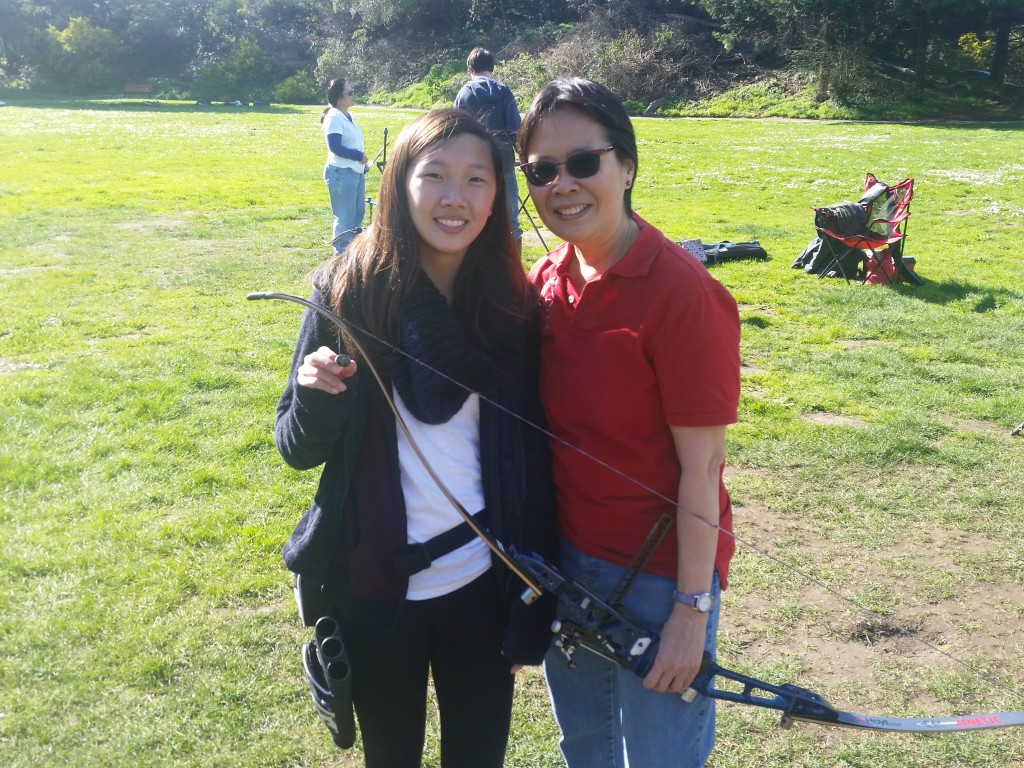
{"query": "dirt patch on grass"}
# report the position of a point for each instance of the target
(833, 420)
(153, 224)
(855, 344)
(7, 272)
(821, 629)
(973, 425)
(282, 604)
(10, 366)
(532, 238)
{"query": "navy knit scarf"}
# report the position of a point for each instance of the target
(429, 331)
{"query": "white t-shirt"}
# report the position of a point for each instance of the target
(453, 450)
(336, 121)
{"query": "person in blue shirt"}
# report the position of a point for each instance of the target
(492, 101)
(345, 169)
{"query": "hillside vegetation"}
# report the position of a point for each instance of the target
(901, 59)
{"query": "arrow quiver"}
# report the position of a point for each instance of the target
(329, 673)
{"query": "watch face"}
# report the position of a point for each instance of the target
(702, 603)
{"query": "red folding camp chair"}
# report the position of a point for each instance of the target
(865, 239)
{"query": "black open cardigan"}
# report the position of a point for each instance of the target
(357, 519)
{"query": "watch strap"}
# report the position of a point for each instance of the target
(691, 600)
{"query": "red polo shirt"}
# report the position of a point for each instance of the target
(652, 342)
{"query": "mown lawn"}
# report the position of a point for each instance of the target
(145, 615)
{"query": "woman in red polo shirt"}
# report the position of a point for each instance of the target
(639, 369)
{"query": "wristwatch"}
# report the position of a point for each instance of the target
(701, 603)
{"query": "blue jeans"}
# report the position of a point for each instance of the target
(606, 716)
(347, 190)
(512, 182)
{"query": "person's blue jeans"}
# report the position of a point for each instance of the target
(512, 182)
(347, 191)
(606, 716)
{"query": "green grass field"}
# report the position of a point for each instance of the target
(146, 618)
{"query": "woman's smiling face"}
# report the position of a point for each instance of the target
(451, 188)
(586, 212)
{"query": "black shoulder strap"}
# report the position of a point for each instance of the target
(413, 558)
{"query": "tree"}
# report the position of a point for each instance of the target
(161, 37)
(829, 33)
(1006, 16)
(79, 59)
(247, 73)
(940, 22)
(15, 24)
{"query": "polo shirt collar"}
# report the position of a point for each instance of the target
(635, 262)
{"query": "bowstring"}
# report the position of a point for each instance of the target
(995, 680)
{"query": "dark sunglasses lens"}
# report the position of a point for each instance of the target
(540, 173)
(584, 165)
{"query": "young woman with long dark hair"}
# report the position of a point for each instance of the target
(437, 281)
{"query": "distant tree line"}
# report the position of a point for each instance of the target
(287, 49)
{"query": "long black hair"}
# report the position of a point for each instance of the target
(380, 265)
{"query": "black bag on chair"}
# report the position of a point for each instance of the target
(819, 253)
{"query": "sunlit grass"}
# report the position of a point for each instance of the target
(145, 615)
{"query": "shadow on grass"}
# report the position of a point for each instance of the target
(985, 299)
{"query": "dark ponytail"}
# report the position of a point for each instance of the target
(334, 92)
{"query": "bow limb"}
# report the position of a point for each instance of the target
(493, 544)
(798, 703)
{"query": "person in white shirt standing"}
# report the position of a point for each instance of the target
(345, 169)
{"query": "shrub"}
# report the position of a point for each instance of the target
(298, 89)
(525, 75)
(444, 81)
(79, 59)
(164, 88)
(641, 66)
(415, 96)
(973, 53)
(248, 72)
(378, 64)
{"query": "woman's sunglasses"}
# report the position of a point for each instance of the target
(580, 165)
